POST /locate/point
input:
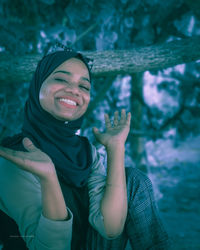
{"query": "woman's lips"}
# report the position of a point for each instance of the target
(68, 102)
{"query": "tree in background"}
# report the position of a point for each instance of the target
(32, 27)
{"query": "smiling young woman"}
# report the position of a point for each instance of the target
(65, 94)
(54, 192)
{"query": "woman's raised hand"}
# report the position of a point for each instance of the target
(34, 161)
(116, 133)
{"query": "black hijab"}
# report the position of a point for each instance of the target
(70, 153)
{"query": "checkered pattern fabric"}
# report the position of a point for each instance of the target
(143, 227)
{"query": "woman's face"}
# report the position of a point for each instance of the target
(65, 94)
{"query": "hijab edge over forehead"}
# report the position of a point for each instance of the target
(54, 60)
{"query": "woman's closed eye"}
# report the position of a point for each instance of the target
(84, 87)
(60, 79)
(81, 85)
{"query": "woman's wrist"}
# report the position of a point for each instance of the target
(115, 146)
(51, 178)
(49, 175)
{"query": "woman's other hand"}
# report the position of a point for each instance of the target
(34, 161)
(114, 201)
(117, 133)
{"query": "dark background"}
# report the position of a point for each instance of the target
(164, 140)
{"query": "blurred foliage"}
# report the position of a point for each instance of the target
(33, 26)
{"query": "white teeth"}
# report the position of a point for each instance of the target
(68, 101)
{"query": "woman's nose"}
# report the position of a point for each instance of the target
(73, 89)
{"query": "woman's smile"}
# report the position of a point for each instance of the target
(68, 102)
(65, 94)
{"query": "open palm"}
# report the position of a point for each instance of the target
(34, 161)
(115, 133)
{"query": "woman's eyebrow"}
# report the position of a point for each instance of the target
(62, 71)
(69, 73)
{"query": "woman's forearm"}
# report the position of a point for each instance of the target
(114, 201)
(53, 203)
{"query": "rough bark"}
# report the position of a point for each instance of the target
(137, 142)
(20, 69)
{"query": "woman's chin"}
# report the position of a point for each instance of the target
(67, 117)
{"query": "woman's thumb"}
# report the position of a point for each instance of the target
(28, 144)
(96, 131)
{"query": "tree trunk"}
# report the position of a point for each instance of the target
(14, 70)
(137, 142)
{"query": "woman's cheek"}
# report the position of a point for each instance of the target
(88, 99)
(47, 91)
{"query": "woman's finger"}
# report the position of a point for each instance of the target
(123, 117)
(107, 121)
(28, 144)
(116, 118)
(128, 119)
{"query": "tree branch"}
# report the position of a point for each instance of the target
(20, 69)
